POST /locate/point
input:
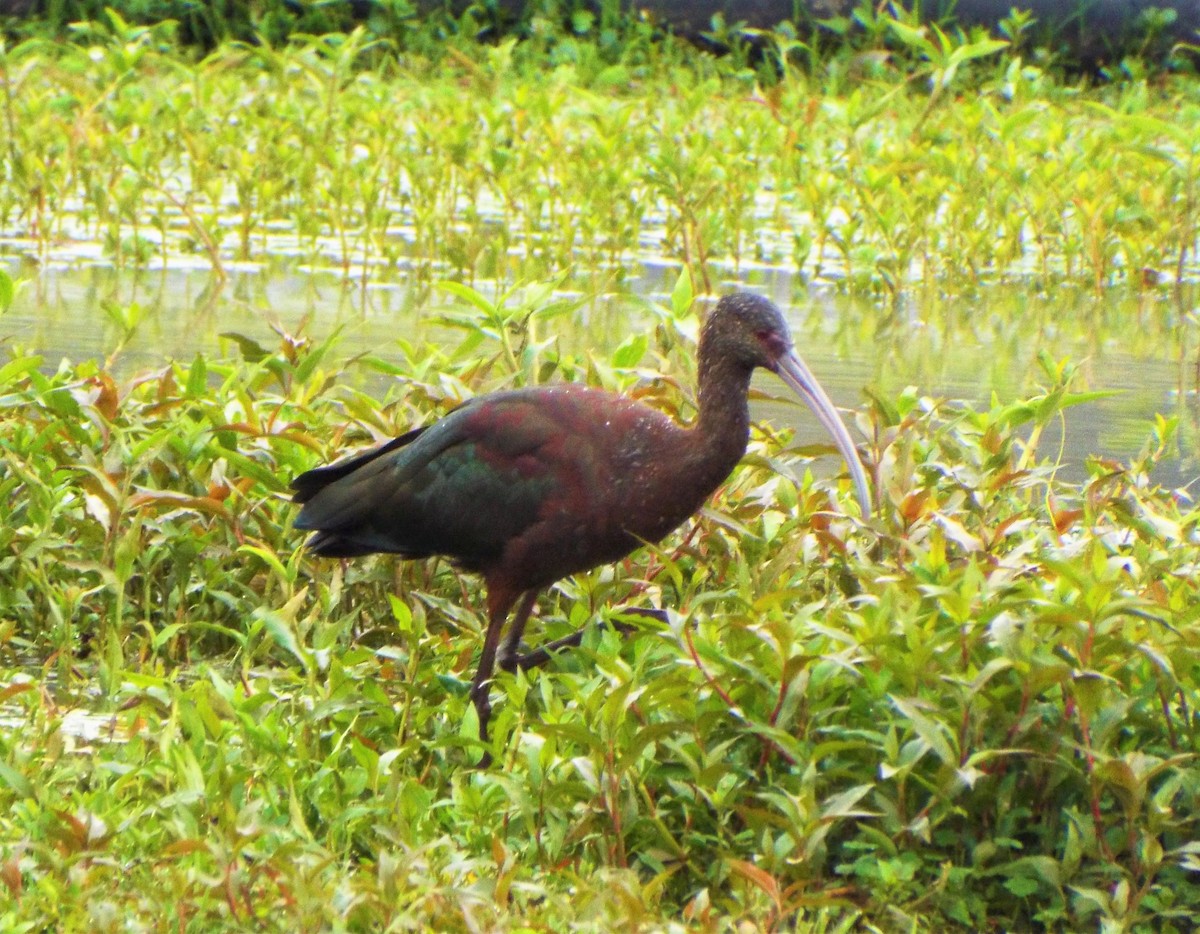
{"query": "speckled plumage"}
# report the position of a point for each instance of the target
(531, 485)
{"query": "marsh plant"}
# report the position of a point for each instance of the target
(975, 710)
(892, 179)
(978, 708)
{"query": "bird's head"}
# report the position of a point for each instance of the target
(747, 329)
(750, 331)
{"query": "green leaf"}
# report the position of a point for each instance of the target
(269, 557)
(16, 781)
(401, 614)
(934, 734)
(1022, 886)
(18, 367)
(631, 352)
(452, 685)
(313, 358)
(252, 350)
(912, 37)
(844, 803)
(164, 635)
(197, 377)
(468, 295)
(283, 633)
(7, 290)
(683, 293)
(977, 50)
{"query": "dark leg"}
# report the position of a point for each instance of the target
(512, 641)
(511, 660)
(498, 606)
(499, 603)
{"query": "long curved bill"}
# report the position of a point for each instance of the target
(793, 371)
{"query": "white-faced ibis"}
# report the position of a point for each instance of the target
(531, 485)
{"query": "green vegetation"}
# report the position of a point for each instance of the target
(480, 167)
(977, 709)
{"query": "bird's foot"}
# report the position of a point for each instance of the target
(659, 616)
(483, 711)
(540, 656)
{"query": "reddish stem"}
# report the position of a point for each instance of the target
(767, 744)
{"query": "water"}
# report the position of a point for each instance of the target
(965, 347)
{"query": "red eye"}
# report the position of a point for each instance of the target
(772, 342)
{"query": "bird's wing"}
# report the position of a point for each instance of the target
(462, 487)
(312, 482)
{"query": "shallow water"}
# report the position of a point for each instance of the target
(966, 347)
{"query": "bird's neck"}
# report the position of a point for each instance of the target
(723, 428)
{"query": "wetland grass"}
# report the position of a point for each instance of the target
(981, 703)
(977, 710)
(253, 153)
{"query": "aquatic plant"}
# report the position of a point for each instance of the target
(977, 709)
(256, 154)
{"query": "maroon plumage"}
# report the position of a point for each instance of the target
(529, 486)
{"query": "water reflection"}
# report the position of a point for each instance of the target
(967, 347)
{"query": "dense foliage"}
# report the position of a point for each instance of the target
(423, 167)
(1073, 38)
(976, 708)
(979, 707)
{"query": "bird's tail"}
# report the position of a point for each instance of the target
(312, 482)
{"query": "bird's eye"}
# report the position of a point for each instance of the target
(771, 341)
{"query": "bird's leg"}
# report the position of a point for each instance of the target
(498, 606)
(512, 641)
(511, 660)
(647, 611)
(499, 602)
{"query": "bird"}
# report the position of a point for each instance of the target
(528, 486)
